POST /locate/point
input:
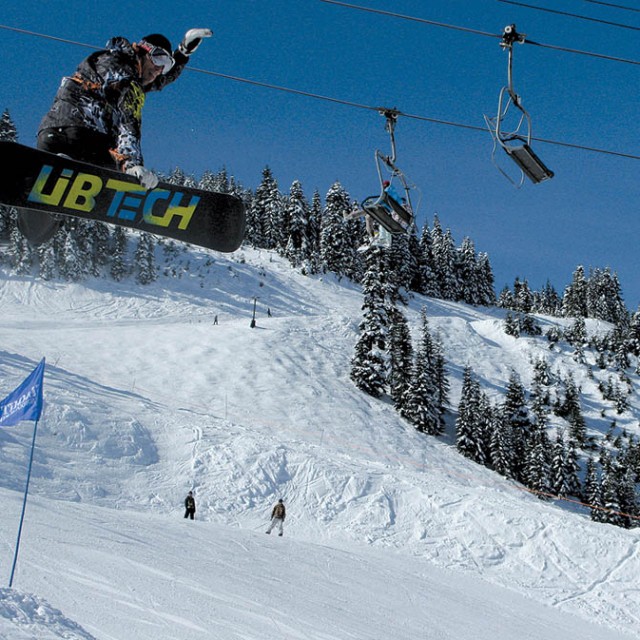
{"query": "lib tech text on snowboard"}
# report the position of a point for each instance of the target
(80, 191)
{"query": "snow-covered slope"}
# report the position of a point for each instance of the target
(390, 534)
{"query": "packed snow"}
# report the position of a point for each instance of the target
(390, 534)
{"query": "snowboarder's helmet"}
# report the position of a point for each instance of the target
(158, 40)
(280, 500)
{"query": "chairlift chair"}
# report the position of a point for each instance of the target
(390, 213)
(516, 143)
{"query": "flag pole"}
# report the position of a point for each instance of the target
(24, 504)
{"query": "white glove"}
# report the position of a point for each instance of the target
(146, 178)
(192, 40)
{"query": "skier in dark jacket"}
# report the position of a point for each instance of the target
(96, 115)
(278, 514)
(189, 506)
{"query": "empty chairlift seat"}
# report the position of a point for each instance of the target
(529, 163)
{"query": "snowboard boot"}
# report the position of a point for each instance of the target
(37, 226)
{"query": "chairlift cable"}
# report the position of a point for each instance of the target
(571, 15)
(412, 116)
(348, 103)
(614, 6)
(591, 54)
(602, 56)
(48, 37)
(412, 18)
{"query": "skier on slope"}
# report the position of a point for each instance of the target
(189, 506)
(96, 115)
(278, 514)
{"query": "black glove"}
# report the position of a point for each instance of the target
(192, 40)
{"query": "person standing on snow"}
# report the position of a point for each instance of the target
(278, 514)
(96, 115)
(189, 506)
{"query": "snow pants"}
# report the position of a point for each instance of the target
(76, 142)
(276, 523)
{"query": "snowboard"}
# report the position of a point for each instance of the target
(37, 180)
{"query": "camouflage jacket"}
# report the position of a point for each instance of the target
(105, 95)
(278, 511)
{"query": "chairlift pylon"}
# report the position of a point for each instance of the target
(517, 142)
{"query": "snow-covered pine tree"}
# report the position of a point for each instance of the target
(119, 268)
(485, 424)
(542, 376)
(145, 261)
(20, 253)
(441, 381)
(500, 445)
(536, 473)
(47, 260)
(297, 212)
(574, 300)
(84, 235)
(547, 301)
(558, 479)
(576, 336)
(540, 400)
(101, 236)
(264, 223)
(485, 281)
(428, 282)
(627, 498)
(609, 492)
(311, 250)
(469, 441)
(354, 261)
(8, 131)
(571, 411)
(465, 269)
(522, 296)
(511, 325)
(368, 365)
(572, 469)
(218, 182)
(421, 405)
(70, 257)
(444, 261)
(518, 424)
(400, 358)
(334, 241)
(506, 299)
(177, 177)
(604, 297)
(592, 491)
(415, 269)
(400, 268)
(632, 339)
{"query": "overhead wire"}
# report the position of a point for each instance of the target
(403, 16)
(47, 36)
(348, 103)
(592, 54)
(570, 15)
(614, 6)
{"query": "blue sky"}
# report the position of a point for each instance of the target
(587, 215)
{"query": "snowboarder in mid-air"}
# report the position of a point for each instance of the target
(189, 506)
(97, 112)
(278, 514)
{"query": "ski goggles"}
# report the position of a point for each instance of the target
(159, 56)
